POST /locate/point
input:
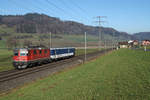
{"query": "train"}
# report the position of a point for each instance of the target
(35, 55)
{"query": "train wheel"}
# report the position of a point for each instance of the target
(18, 67)
(22, 67)
(39, 63)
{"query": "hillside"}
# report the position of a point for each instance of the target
(40, 23)
(142, 35)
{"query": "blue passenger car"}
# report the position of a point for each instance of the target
(58, 53)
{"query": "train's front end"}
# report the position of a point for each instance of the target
(20, 58)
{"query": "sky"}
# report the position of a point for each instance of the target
(130, 16)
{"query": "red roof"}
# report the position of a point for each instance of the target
(123, 43)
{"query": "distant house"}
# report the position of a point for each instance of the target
(133, 43)
(145, 42)
(130, 41)
(123, 44)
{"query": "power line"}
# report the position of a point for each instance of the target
(48, 10)
(99, 21)
(38, 7)
(22, 6)
(70, 8)
(51, 3)
(28, 8)
(81, 9)
(54, 5)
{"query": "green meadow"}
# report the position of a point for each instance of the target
(5, 60)
(118, 75)
(82, 51)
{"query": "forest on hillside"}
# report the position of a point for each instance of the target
(41, 23)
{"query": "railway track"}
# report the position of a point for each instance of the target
(28, 71)
(13, 74)
(9, 71)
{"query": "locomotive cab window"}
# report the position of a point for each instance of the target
(23, 52)
(40, 51)
(15, 53)
(35, 52)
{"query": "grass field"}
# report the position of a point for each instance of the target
(120, 75)
(82, 51)
(6, 58)
(2, 44)
(58, 40)
(147, 47)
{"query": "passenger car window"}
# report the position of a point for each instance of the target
(45, 51)
(40, 51)
(34, 51)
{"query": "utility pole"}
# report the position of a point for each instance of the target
(113, 41)
(85, 46)
(50, 40)
(99, 21)
(39, 39)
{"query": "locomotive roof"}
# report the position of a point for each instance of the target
(62, 48)
(33, 47)
(28, 48)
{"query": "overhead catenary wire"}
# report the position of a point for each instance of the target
(69, 8)
(50, 7)
(45, 9)
(34, 5)
(80, 8)
(30, 9)
(83, 11)
(21, 5)
(35, 8)
(65, 12)
(50, 3)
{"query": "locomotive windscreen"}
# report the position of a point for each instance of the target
(15, 52)
(23, 52)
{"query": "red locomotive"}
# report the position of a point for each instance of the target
(27, 57)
